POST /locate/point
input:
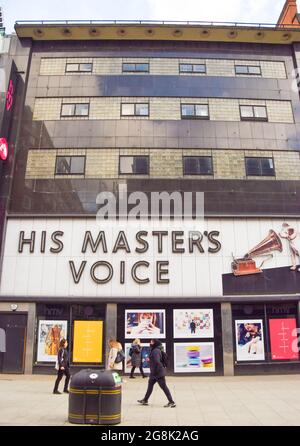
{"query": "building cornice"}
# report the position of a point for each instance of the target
(158, 31)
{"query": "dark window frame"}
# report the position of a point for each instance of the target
(197, 156)
(194, 116)
(248, 73)
(193, 71)
(261, 174)
(135, 64)
(79, 70)
(135, 115)
(134, 156)
(69, 173)
(253, 118)
(75, 105)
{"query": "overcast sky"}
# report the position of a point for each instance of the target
(256, 11)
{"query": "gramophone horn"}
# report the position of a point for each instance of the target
(271, 243)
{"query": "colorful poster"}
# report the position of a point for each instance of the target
(194, 357)
(145, 358)
(88, 339)
(195, 323)
(49, 335)
(249, 340)
(145, 324)
(283, 336)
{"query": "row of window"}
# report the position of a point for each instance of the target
(139, 165)
(188, 111)
(190, 68)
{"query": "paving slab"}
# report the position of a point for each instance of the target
(27, 400)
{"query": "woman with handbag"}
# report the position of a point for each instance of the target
(116, 355)
(135, 353)
(62, 366)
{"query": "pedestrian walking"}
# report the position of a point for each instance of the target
(62, 366)
(157, 373)
(116, 355)
(135, 353)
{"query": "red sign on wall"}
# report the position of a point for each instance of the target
(3, 149)
(10, 95)
(283, 337)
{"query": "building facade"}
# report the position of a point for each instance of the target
(131, 111)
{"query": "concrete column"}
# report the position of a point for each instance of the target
(30, 338)
(227, 339)
(110, 326)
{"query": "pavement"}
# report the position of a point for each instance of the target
(27, 400)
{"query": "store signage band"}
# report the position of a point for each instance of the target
(181, 242)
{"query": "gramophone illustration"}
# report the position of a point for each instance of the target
(246, 265)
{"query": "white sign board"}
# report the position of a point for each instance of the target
(84, 258)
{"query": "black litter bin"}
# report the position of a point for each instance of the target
(95, 397)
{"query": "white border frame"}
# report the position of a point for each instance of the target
(254, 358)
(206, 333)
(42, 357)
(150, 336)
(195, 370)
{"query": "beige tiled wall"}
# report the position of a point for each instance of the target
(162, 66)
(287, 165)
(273, 69)
(102, 163)
(164, 163)
(41, 163)
(229, 164)
(280, 111)
(224, 110)
(215, 67)
(48, 109)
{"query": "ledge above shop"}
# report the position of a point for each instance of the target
(158, 30)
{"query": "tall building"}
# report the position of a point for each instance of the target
(114, 114)
(1, 18)
(289, 14)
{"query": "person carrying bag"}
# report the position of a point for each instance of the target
(62, 366)
(116, 355)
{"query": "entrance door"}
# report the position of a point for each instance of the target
(13, 326)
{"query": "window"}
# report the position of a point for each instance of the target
(197, 165)
(196, 111)
(274, 319)
(79, 67)
(248, 70)
(135, 109)
(68, 110)
(134, 165)
(70, 165)
(253, 113)
(135, 68)
(192, 68)
(260, 167)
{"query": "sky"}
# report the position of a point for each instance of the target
(254, 11)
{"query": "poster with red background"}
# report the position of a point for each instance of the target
(283, 339)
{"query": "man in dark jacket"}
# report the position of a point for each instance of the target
(157, 374)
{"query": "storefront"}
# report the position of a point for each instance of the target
(275, 344)
(90, 281)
